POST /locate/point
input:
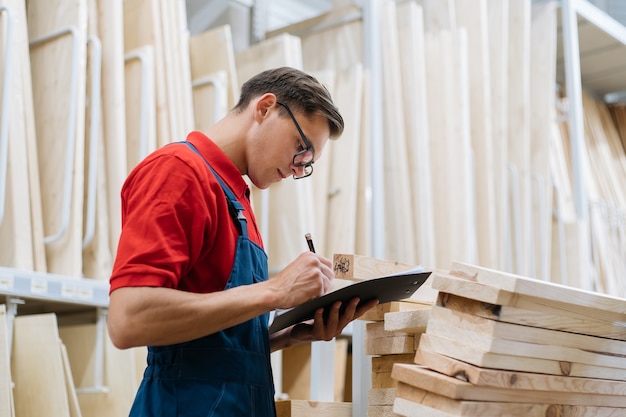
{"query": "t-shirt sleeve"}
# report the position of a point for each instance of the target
(160, 235)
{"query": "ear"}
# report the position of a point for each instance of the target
(263, 105)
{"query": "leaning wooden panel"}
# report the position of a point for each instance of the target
(497, 27)
(426, 379)
(111, 33)
(516, 380)
(519, 135)
(344, 164)
(6, 382)
(37, 368)
(58, 75)
(472, 15)
(542, 123)
(16, 235)
(410, 22)
(119, 377)
(213, 51)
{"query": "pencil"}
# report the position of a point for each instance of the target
(309, 241)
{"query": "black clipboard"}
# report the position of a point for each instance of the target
(385, 289)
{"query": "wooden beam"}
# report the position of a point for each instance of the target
(304, 408)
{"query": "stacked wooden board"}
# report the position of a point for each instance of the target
(499, 344)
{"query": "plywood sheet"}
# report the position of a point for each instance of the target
(53, 95)
(37, 367)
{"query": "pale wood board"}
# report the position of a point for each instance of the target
(521, 333)
(377, 329)
(526, 310)
(361, 267)
(380, 410)
(410, 22)
(377, 313)
(391, 345)
(141, 136)
(426, 379)
(472, 15)
(304, 408)
(407, 321)
(212, 55)
(16, 234)
(428, 404)
(446, 67)
(119, 374)
(69, 384)
(142, 26)
(610, 306)
(497, 27)
(111, 33)
(385, 363)
(485, 342)
(383, 380)
(461, 351)
(364, 183)
(97, 256)
(519, 135)
(397, 188)
(343, 165)
(516, 380)
(6, 389)
(542, 121)
(51, 84)
(212, 51)
(37, 367)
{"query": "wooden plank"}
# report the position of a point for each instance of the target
(427, 404)
(304, 408)
(531, 312)
(538, 335)
(37, 367)
(383, 380)
(497, 27)
(519, 135)
(472, 15)
(410, 21)
(380, 411)
(142, 26)
(211, 52)
(426, 379)
(343, 165)
(392, 345)
(516, 380)
(69, 384)
(407, 321)
(364, 182)
(461, 351)
(111, 33)
(542, 124)
(381, 396)
(525, 349)
(377, 313)
(398, 244)
(51, 84)
(606, 306)
(449, 135)
(360, 267)
(6, 388)
(385, 363)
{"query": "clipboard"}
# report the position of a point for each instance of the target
(385, 289)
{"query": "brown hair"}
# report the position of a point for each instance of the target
(299, 90)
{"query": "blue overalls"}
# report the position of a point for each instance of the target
(226, 374)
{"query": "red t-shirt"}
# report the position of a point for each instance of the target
(177, 231)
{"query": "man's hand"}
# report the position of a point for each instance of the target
(321, 328)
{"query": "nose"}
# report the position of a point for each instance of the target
(298, 171)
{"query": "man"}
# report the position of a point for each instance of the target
(190, 278)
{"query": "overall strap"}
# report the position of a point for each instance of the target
(235, 207)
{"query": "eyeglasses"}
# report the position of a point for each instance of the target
(303, 158)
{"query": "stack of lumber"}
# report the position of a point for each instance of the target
(392, 330)
(499, 344)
